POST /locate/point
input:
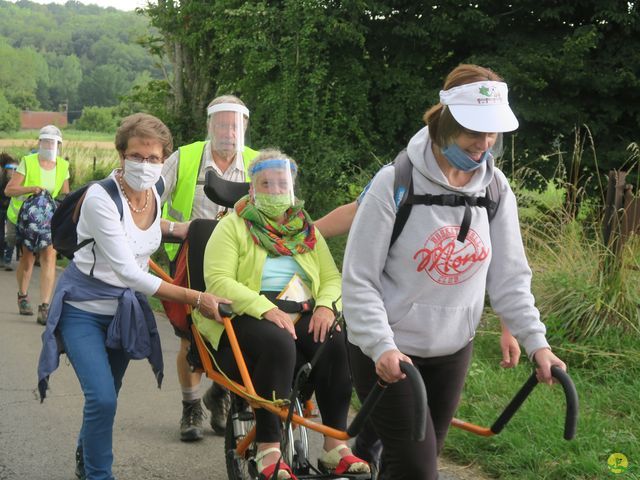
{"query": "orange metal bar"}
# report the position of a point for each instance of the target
(159, 272)
(237, 353)
(242, 446)
(470, 427)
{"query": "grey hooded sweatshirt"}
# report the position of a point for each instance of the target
(425, 295)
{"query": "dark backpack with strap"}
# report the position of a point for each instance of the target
(405, 199)
(64, 222)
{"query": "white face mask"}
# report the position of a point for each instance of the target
(141, 175)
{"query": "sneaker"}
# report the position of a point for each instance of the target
(24, 306)
(191, 422)
(80, 464)
(43, 313)
(217, 399)
(7, 258)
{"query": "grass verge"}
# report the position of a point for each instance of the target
(606, 374)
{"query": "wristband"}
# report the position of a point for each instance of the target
(172, 226)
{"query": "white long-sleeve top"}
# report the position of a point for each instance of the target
(122, 250)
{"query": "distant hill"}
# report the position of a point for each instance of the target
(72, 54)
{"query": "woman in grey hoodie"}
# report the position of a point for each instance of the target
(420, 298)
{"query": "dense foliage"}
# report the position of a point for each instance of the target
(342, 85)
(72, 54)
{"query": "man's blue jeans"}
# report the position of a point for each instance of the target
(100, 371)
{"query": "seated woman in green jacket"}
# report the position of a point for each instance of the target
(258, 251)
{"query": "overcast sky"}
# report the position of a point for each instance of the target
(119, 4)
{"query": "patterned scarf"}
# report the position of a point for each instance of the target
(296, 235)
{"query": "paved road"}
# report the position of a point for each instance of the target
(37, 441)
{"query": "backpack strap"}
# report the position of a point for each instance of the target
(492, 193)
(402, 189)
(404, 199)
(109, 184)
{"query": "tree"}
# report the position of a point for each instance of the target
(50, 52)
(343, 85)
(9, 116)
(23, 72)
(104, 85)
(97, 119)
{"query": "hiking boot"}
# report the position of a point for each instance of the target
(191, 422)
(217, 399)
(24, 306)
(80, 464)
(6, 260)
(43, 313)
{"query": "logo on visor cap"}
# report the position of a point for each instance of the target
(481, 106)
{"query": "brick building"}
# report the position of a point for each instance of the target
(35, 120)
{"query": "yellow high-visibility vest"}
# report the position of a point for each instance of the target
(32, 178)
(179, 205)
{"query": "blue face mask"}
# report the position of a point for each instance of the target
(460, 160)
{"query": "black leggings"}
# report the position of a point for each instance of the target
(403, 458)
(270, 353)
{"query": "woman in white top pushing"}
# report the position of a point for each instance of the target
(99, 312)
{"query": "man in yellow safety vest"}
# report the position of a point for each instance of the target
(184, 199)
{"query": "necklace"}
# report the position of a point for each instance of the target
(126, 197)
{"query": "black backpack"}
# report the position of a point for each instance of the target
(405, 199)
(65, 219)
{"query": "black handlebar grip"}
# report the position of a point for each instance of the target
(367, 407)
(515, 404)
(224, 309)
(420, 394)
(571, 396)
(419, 415)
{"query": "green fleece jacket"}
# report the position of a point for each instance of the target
(233, 266)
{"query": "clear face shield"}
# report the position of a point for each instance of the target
(48, 147)
(272, 183)
(227, 127)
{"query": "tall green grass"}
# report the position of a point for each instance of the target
(68, 134)
(606, 373)
(589, 298)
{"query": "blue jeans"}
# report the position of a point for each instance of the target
(100, 371)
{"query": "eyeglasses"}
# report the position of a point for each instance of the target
(134, 157)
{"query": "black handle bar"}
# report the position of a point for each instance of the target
(224, 309)
(571, 395)
(419, 415)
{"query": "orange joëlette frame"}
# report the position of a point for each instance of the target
(246, 390)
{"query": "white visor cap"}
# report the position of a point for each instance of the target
(228, 107)
(50, 132)
(481, 106)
